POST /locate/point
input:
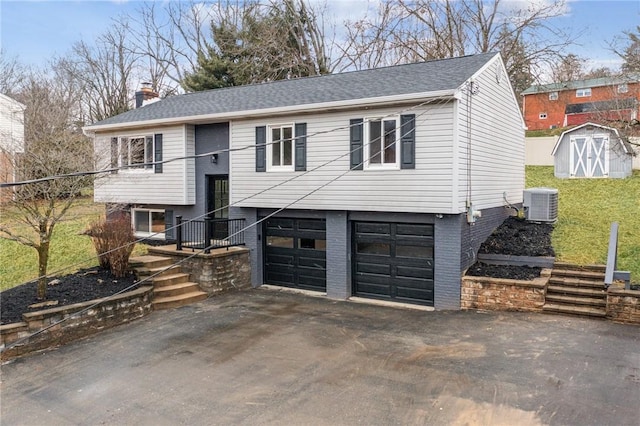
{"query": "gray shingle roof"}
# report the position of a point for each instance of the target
(424, 77)
(581, 84)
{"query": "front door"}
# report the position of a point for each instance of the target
(218, 204)
(590, 156)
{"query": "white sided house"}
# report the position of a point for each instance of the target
(11, 141)
(379, 184)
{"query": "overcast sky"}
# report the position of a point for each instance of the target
(36, 30)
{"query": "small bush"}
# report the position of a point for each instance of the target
(113, 240)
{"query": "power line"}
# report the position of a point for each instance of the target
(186, 157)
(440, 101)
(246, 227)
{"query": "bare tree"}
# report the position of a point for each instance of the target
(407, 31)
(105, 72)
(170, 37)
(627, 47)
(54, 145)
(569, 68)
(12, 74)
(600, 72)
(273, 41)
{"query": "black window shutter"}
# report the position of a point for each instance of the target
(301, 147)
(168, 223)
(355, 145)
(261, 149)
(157, 152)
(114, 155)
(408, 141)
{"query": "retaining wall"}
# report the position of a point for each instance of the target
(71, 322)
(500, 294)
(623, 305)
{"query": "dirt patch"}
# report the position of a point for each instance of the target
(86, 284)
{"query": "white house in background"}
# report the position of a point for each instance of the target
(11, 140)
(380, 183)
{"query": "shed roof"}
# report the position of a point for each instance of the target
(625, 144)
(430, 77)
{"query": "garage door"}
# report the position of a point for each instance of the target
(294, 253)
(393, 261)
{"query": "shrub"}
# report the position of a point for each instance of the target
(113, 240)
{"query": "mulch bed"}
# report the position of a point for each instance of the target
(518, 237)
(515, 237)
(84, 285)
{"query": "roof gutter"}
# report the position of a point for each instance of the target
(305, 108)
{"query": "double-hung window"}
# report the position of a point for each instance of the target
(136, 151)
(382, 143)
(583, 93)
(281, 153)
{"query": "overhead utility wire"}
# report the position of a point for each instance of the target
(297, 176)
(234, 234)
(186, 157)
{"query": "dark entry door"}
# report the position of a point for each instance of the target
(295, 253)
(218, 204)
(393, 261)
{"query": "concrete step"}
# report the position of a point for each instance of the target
(175, 290)
(571, 266)
(571, 273)
(164, 280)
(179, 300)
(158, 272)
(575, 301)
(579, 291)
(576, 282)
(149, 261)
(574, 310)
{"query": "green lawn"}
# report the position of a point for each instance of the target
(586, 209)
(585, 212)
(19, 263)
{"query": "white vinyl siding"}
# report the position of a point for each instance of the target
(497, 145)
(425, 189)
(11, 125)
(175, 185)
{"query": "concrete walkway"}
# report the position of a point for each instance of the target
(270, 357)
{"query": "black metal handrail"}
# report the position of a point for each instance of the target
(209, 233)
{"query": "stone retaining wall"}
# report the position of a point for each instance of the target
(623, 305)
(500, 294)
(221, 270)
(72, 322)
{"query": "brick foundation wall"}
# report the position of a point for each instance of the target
(499, 294)
(77, 322)
(221, 270)
(623, 305)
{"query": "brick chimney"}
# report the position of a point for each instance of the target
(144, 94)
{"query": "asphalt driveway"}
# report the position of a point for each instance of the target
(270, 357)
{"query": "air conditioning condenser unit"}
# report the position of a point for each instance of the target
(540, 204)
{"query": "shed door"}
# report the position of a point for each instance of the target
(393, 261)
(590, 156)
